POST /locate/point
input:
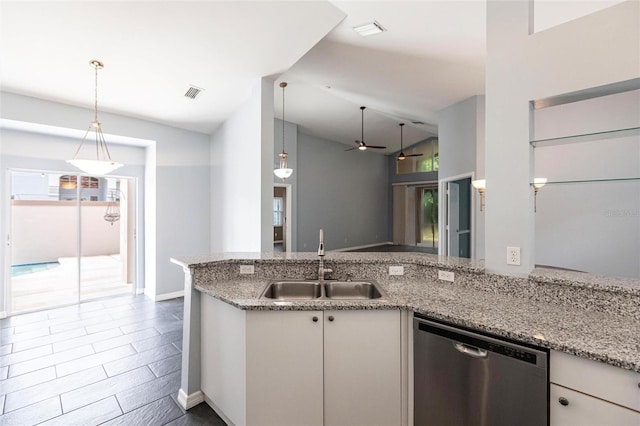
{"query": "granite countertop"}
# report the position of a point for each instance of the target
(603, 336)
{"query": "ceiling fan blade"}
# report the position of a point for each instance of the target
(351, 149)
(376, 147)
(413, 155)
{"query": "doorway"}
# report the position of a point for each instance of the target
(281, 217)
(458, 225)
(72, 238)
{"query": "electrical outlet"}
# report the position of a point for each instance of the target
(513, 256)
(247, 269)
(445, 276)
(396, 270)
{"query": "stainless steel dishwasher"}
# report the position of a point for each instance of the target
(466, 378)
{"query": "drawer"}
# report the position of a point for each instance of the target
(596, 378)
(585, 410)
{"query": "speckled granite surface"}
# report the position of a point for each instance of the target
(592, 317)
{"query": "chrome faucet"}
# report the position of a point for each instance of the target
(321, 269)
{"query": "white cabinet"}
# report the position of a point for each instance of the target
(585, 392)
(301, 367)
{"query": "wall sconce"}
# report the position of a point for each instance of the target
(481, 186)
(537, 184)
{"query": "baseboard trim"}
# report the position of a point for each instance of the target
(188, 401)
(386, 243)
(167, 296)
(218, 411)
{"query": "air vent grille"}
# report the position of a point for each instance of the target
(193, 92)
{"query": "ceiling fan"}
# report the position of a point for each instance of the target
(402, 155)
(361, 145)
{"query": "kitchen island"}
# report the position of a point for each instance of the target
(594, 318)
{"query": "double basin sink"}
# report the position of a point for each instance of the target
(322, 290)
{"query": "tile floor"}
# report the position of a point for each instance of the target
(111, 361)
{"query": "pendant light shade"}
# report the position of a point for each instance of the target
(102, 164)
(283, 172)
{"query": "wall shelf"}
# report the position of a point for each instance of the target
(587, 137)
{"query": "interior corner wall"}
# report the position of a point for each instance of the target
(291, 148)
(344, 193)
(241, 182)
(182, 177)
(461, 137)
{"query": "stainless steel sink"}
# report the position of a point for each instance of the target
(293, 290)
(322, 290)
(352, 290)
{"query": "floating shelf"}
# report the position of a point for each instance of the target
(587, 137)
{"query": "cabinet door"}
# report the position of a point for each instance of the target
(284, 368)
(362, 368)
(584, 410)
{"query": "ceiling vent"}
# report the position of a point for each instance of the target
(193, 92)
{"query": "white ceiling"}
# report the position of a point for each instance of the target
(430, 57)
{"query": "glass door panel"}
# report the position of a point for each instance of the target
(429, 217)
(44, 241)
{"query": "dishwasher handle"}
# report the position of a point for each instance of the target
(470, 350)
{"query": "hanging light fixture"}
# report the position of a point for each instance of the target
(103, 164)
(283, 171)
(402, 156)
(112, 214)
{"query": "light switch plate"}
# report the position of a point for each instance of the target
(445, 276)
(247, 269)
(396, 270)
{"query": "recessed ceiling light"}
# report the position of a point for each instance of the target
(369, 29)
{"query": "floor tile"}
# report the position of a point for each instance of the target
(93, 414)
(158, 319)
(5, 349)
(138, 360)
(26, 380)
(12, 338)
(97, 319)
(167, 326)
(48, 360)
(130, 318)
(201, 415)
(178, 345)
(161, 340)
(32, 394)
(51, 338)
(93, 360)
(85, 340)
(70, 311)
(23, 319)
(33, 414)
(1, 405)
(4, 372)
(21, 356)
(125, 339)
(82, 396)
(157, 413)
(146, 393)
(167, 365)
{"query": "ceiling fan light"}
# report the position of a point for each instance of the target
(362, 147)
(401, 156)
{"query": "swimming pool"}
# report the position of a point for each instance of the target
(30, 268)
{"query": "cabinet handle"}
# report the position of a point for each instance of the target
(563, 401)
(315, 319)
(331, 318)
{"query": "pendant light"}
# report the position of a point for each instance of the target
(283, 172)
(103, 164)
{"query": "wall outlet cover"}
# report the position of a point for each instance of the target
(513, 256)
(446, 276)
(247, 269)
(396, 270)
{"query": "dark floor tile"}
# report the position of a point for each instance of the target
(171, 325)
(161, 340)
(82, 323)
(167, 365)
(93, 360)
(143, 358)
(146, 393)
(5, 349)
(178, 345)
(156, 413)
(85, 340)
(200, 415)
(123, 321)
(125, 339)
(48, 360)
(159, 322)
(82, 396)
(70, 311)
(33, 414)
(45, 340)
(12, 338)
(21, 356)
(26, 380)
(93, 414)
(32, 394)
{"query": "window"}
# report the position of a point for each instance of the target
(427, 162)
(278, 211)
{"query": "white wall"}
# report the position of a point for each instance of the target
(461, 137)
(181, 189)
(595, 50)
(241, 176)
(344, 193)
(593, 227)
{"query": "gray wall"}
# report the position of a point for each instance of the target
(345, 193)
(291, 148)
